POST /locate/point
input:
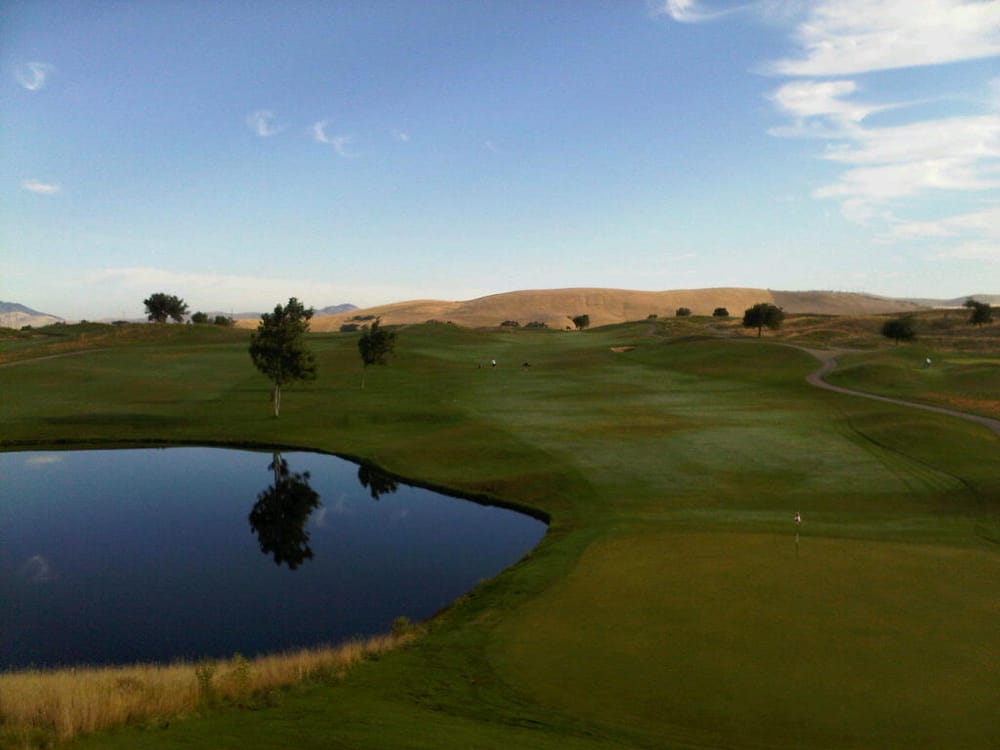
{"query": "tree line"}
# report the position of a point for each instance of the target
(161, 306)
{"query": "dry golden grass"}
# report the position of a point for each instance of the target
(555, 307)
(67, 703)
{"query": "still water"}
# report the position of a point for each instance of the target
(137, 555)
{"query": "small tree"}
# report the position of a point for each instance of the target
(278, 347)
(581, 321)
(199, 317)
(763, 314)
(225, 321)
(375, 345)
(720, 312)
(683, 312)
(900, 329)
(981, 312)
(160, 306)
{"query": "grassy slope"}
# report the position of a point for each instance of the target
(667, 604)
(965, 381)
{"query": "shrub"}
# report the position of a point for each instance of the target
(720, 312)
(683, 312)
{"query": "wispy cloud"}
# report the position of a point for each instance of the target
(823, 99)
(977, 234)
(401, 135)
(847, 37)
(341, 143)
(43, 460)
(33, 75)
(37, 569)
(890, 169)
(891, 162)
(262, 122)
(974, 251)
(41, 188)
(694, 11)
(238, 293)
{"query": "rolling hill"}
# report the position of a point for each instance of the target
(555, 307)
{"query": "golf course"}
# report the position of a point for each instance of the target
(675, 601)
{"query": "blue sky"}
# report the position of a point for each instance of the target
(236, 153)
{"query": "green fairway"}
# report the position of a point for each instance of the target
(669, 605)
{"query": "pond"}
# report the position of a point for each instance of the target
(120, 556)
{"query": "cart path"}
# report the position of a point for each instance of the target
(828, 361)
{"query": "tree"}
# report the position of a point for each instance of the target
(279, 516)
(682, 312)
(720, 312)
(763, 314)
(375, 345)
(581, 321)
(900, 329)
(160, 306)
(981, 312)
(199, 317)
(225, 321)
(278, 347)
(376, 481)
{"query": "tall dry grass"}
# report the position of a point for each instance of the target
(38, 705)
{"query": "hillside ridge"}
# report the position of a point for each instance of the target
(605, 306)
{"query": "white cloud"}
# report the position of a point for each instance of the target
(967, 140)
(401, 135)
(340, 143)
(892, 169)
(230, 292)
(41, 188)
(34, 75)
(974, 251)
(980, 226)
(692, 11)
(845, 37)
(261, 122)
(809, 99)
(37, 569)
(43, 460)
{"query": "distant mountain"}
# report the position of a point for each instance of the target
(331, 310)
(337, 309)
(989, 299)
(15, 315)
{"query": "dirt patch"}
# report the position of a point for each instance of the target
(621, 349)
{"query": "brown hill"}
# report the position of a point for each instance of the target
(555, 307)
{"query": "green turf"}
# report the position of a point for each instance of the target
(666, 607)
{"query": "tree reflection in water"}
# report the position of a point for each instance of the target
(279, 516)
(377, 482)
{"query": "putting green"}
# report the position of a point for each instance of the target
(716, 638)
